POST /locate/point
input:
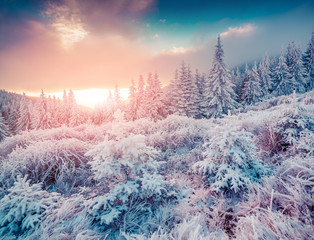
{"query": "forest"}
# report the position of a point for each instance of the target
(223, 155)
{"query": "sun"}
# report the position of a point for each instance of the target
(86, 97)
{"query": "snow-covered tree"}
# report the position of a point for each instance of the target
(4, 130)
(187, 93)
(64, 110)
(238, 83)
(283, 83)
(140, 91)
(42, 119)
(24, 121)
(296, 70)
(131, 112)
(129, 170)
(152, 103)
(219, 94)
(13, 116)
(265, 76)
(308, 64)
(171, 96)
(252, 92)
(200, 84)
(24, 207)
(117, 98)
(230, 162)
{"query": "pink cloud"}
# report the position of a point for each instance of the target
(232, 31)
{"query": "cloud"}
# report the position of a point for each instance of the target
(156, 36)
(232, 31)
(67, 22)
(177, 51)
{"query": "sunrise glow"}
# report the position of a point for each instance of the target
(156, 119)
(86, 97)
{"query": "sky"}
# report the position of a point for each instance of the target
(96, 44)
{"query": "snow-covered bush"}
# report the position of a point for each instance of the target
(230, 162)
(267, 224)
(128, 171)
(59, 164)
(123, 159)
(24, 207)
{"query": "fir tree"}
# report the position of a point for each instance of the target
(295, 67)
(200, 84)
(42, 117)
(219, 93)
(4, 130)
(252, 92)
(283, 82)
(265, 75)
(187, 97)
(132, 106)
(24, 121)
(64, 113)
(151, 105)
(238, 83)
(117, 98)
(308, 64)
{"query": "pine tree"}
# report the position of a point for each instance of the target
(4, 130)
(24, 121)
(283, 82)
(64, 113)
(246, 78)
(252, 92)
(265, 76)
(172, 95)
(308, 64)
(133, 103)
(117, 98)
(42, 118)
(294, 64)
(219, 93)
(187, 97)
(238, 83)
(152, 103)
(200, 84)
(13, 116)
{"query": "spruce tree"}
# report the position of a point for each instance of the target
(283, 82)
(252, 92)
(265, 76)
(24, 121)
(152, 103)
(295, 67)
(200, 84)
(219, 94)
(42, 118)
(187, 97)
(4, 130)
(117, 98)
(132, 105)
(308, 64)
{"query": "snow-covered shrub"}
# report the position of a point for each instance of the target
(193, 228)
(59, 164)
(86, 133)
(24, 207)
(230, 162)
(128, 171)
(177, 132)
(267, 224)
(123, 159)
(68, 221)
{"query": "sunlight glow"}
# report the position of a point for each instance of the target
(86, 97)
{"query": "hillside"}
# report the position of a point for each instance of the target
(244, 176)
